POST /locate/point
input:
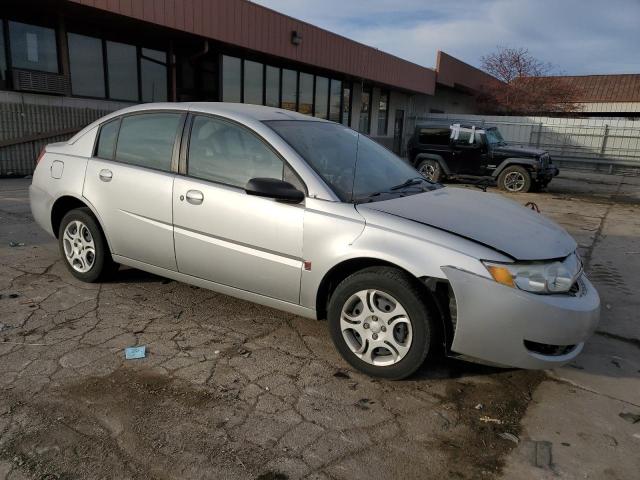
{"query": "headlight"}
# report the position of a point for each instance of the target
(538, 277)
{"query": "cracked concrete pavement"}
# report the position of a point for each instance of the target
(234, 390)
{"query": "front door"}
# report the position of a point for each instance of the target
(465, 153)
(221, 233)
(398, 131)
(129, 182)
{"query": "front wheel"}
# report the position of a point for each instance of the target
(84, 247)
(380, 323)
(431, 170)
(515, 179)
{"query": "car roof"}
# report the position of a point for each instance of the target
(241, 112)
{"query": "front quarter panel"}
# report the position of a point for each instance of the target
(337, 232)
(531, 162)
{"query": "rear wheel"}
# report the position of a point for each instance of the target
(515, 179)
(380, 323)
(84, 246)
(431, 170)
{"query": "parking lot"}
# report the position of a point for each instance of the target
(229, 389)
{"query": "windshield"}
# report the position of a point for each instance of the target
(355, 167)
(494, 137)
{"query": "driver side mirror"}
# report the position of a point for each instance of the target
(274, 188)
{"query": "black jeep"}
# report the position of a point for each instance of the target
(445, 151)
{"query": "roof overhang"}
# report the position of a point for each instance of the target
(260, 29)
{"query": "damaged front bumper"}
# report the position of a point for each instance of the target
(508, 327)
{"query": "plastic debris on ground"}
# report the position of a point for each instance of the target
(630, 417)
(486, 419)
(16, 244)
(132, 353)
(509, 436)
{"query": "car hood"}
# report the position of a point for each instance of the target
(519, 151)
(486, 218)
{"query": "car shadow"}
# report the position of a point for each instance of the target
(133, 275)
(449, 368)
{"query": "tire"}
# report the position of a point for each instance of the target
(411, 337)
(84, 247)
(515, 179)
(431, 170)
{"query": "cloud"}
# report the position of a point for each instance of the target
(577, 36)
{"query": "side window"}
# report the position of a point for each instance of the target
(434, 136)
(147, 140)
(291, 177)
(464, 136)
(107, 139)
(223, 152)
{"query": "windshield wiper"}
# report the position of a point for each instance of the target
(410, 182)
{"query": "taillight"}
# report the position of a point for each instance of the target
(40, 155)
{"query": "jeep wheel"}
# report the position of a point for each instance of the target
(431, 170)
(515, 179)
(380, 323)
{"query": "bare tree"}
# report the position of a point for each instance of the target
(525, 85)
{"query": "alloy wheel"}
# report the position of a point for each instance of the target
(428, 171)
(79, 247)
(514, 181)
(376, 327)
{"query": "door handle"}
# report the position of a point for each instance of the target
(195, 197)
(105, 175)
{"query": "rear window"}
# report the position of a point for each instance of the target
(147, 140)
(434, 136)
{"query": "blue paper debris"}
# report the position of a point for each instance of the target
(132, 353)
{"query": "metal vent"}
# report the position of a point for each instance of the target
(44, 82)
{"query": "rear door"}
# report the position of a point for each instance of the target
(130, 183)
(221, 233)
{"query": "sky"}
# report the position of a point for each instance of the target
(578, 37)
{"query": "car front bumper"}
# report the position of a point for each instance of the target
(546, 174)
(494, 322)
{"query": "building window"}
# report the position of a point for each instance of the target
(322, 97)
(87, 69)
(289, 89)
(122, 65)
(364, 126)
(346, 106)
(253, 82)
(3, 60)
(335, 97)
(209, 78)
(33, 47)
(272, 87)
(231, 79)
(383, 113)
(153, 75)
(147, 140)
(305, 100)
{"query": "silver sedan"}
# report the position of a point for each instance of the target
(313, 218)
